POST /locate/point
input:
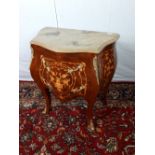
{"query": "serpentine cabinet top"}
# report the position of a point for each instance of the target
(73, 41)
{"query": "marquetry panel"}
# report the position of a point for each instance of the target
(68, 79)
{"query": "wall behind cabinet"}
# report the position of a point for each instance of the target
(99, 15)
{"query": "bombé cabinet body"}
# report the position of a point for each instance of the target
(73, 64)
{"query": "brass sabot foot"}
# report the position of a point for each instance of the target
(45, 111)
(90, 126)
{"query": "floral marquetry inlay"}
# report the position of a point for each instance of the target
(108, 65)
(68, 79)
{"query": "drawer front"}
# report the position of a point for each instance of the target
(69, 75)
(67, 79)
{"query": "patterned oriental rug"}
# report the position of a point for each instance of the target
(63, 131)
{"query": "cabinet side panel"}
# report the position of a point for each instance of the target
(106, 66)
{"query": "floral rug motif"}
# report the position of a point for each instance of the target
(63, 131)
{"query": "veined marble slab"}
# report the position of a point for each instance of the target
(73, 41)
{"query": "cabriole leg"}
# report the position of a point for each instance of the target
(41, 85)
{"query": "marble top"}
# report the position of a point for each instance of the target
(73, 41)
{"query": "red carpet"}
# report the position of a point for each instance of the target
(63, 131)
